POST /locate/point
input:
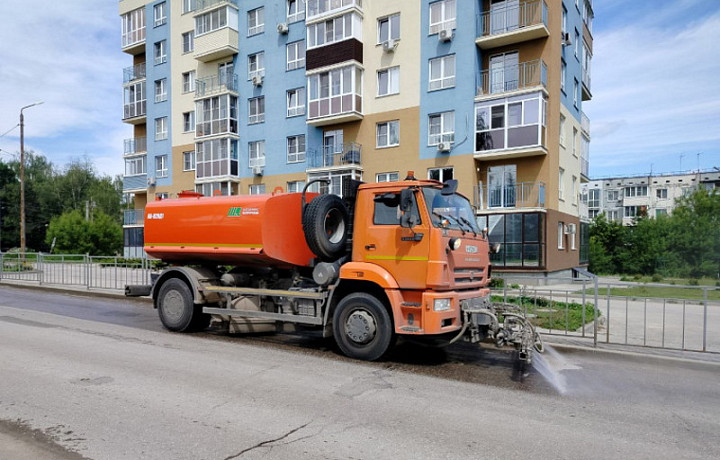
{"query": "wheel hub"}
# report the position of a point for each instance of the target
(360, 327)
(173, 305)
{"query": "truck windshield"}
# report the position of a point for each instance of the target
(455, 209)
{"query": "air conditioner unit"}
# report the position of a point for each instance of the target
(282, 28)
(258, 170)
(445, 35)
(566, 41)
(389, 45)
(444, 147)
(257, 80)
(151, 181)
(570, 229)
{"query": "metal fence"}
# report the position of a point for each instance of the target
(644, 321)
(91, 272)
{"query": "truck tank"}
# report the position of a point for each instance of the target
(246, 230)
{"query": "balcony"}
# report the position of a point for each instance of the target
(520, 195)
(202, 5)
(136, 183)
(586, 94)
(516, 24)
(218, 44)
(335, 96)
(216, 85)
(513, 78)
(333, 157)
(133, 31)
(133, 73)
(134, 146)
(317, 9)
(133, 217)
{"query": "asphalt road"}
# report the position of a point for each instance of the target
(89, 377)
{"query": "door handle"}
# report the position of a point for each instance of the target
(369, 247)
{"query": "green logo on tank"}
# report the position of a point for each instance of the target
(234, 212)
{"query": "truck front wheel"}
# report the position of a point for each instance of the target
(362, 327)
(176, 308)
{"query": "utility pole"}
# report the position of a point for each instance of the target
(22, 177)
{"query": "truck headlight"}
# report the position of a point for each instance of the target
(441, 304)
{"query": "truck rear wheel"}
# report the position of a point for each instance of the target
(362, 327)
(176, 309)
(326, 224)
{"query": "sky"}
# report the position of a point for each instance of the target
(655, 84)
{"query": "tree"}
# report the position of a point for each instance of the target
(696, 233)
(72, 234)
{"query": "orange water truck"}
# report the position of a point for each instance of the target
(391, 259)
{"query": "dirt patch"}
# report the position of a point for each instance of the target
(21, 442)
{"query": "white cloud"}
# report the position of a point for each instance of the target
(655, 90)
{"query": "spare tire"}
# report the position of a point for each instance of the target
(326, 224)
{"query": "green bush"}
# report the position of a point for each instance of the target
(657, 278)
(693, 282)
(497, 283)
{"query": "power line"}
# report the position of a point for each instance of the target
(6, 132)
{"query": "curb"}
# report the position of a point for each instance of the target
(108, 294)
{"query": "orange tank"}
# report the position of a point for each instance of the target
(235, 230)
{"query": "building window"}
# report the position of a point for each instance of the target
(256, 65)
(188, 41)
(661, 193)
(160, 14)
(442, 72)
(510, 122)
(574, 141)
(160, 52)
(216, 157)
(296, 55)
(296, 148)
(639, 190)
(335, 92)
(213, 189)
(594, 198)
(562, 130)
(389, 28)
(334, 30)
(442, 16)
(296, 102)
(256, 110)
(189, 161)
(561, 185)
(388, 134)
(161, 90)
(632, 211)
(561, 235)
(572, 240)
(161, 129)
(133, 27)
(388, 81)
(574, 191)
(576, 88)
(660, 212)
(295, 10)
(387, 177)
(577, 44)
(564, 20)
(613, 195)
(296, 186)
(215, 20)
(440, 174)
(441, 128)
(257, 189)
(613, 215)
(162, 196)
(161, 166)
(256, 153)
(563, 75)
(135, 166)
(189, 121)
(216, 115)
(520, 238)
(256, 21)
(593, 213)
(188, 6)
(188, 79)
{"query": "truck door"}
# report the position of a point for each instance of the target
(401, 251)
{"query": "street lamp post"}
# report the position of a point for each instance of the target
(22, 176)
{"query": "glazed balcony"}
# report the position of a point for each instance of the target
(215, 85)
(133, 31)
(508, 79)
(133, 217)
(347, 154)
(217, 44)
(203, 5)
(507, 26)
(519, 195)
(318, 9)
(133, 73)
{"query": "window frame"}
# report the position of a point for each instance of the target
(298, 15)
(189, 121)
(161, 90)
(161, 128)
(444, 135)
(445, 80)
(392, 34)
(258, 16)
(388, 176)
(256, 60)
(392, 72)
(161, 166)
(387, 134)
(160, 53)
(188, 79)
(160, 14)
(298, 62)
(298, 156)
(189, 160)
(256, 105)
(188, 42)
(298, 109)
(445, 21)
(256, 153)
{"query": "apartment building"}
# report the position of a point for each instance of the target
(624, 199)
(263, 96)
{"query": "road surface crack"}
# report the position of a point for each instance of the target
(266, 443)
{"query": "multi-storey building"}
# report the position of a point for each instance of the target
(260, 96)
(624, 199)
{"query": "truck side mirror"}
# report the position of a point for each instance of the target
(408, 217)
